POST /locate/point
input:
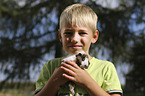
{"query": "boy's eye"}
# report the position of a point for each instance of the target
(68, 33)
(82, 33)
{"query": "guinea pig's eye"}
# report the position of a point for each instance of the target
(83, 58)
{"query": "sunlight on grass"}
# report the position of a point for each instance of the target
(16, 92)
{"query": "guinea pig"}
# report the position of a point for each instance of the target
(82, 61)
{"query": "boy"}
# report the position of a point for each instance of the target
(77, 31)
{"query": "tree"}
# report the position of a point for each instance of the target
(28, 32)
(115, 25)
(137, 59)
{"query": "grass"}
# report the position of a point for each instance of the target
(27, 89)
(133, 94)
(16, 92)
(28, 92)
(18, 89)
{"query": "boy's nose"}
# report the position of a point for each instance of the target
(75, 38)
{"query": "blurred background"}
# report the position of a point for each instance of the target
(28, 39)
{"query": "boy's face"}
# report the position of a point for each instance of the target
(76, 39)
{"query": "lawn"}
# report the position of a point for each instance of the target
(18, 89)
(27, 89)
(27, 92)
(16, 92)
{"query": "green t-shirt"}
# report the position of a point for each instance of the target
(103, 72)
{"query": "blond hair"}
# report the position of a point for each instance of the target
(78, 15)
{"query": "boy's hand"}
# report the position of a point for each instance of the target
(74, 73)
(57, 77)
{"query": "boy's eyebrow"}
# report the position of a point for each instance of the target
(83, 30)
(68, 29)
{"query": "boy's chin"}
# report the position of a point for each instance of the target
(75, 52)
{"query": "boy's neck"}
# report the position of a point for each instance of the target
(90, 57)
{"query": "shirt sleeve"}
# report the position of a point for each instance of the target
(111, 83)
(46, 73)
(43, 78)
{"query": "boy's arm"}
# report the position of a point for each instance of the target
(95, 90)
(83, 79)
(51, 87)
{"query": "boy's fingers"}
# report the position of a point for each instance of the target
(67, 71)
(68, 77)
(72, 64)
(68, 66)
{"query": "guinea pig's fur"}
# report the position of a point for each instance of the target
(81, 59)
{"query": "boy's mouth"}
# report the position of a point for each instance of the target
(75, 46)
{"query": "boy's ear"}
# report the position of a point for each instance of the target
(95, 36)
(59, 35)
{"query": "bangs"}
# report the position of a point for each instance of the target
(75, 21)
